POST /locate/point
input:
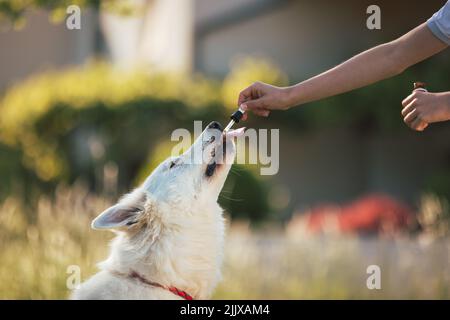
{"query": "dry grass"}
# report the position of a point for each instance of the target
(274, 267)
(35, 255)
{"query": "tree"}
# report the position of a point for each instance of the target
(13, 11)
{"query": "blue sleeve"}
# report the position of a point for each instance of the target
(439, 23)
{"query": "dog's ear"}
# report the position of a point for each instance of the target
(125, 213)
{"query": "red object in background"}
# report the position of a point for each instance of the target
(370, 214)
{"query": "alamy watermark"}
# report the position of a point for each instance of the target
(73, 280)
(73, 20)
(374, 279)
(252, 147)
(373, 22)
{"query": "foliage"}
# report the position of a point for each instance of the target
(35, 257)
(273, 266)
(39, 112)
(62, 126)
(434, 216)
(58, 238)
(59, 126)
(14, 10)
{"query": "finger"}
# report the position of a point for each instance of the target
(408, 99)
(424, 125)
(244, 108)
(245, 94)
(408, 108)
(242, 98)
(410, 117)
(254, 104)
(418, 124)
(261, 112)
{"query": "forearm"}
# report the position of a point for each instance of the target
(366, 68)
(373, 65)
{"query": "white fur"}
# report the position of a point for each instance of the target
(170, 230)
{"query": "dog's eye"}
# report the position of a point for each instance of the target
(172, 164)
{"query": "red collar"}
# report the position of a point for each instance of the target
(134, 275)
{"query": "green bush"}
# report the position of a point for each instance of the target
(40, 115)
(60, 126)
(14, 10)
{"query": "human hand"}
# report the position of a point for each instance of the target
(421, 108)
(261, 97)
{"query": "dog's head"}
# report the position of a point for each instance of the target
(185, 183)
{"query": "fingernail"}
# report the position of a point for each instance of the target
(243, 106)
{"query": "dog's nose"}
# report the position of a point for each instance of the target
(215, 125)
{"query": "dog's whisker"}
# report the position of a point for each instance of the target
(231, 199)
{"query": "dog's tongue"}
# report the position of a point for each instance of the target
(235, 133)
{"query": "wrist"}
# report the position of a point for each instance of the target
(291, 96)
(446, 104)
(442, 107)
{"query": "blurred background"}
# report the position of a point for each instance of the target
(86, 114)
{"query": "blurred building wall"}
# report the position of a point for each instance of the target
(338, 165)
(303, 37)
(41, 45)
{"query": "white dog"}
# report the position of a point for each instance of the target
(170, 230)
